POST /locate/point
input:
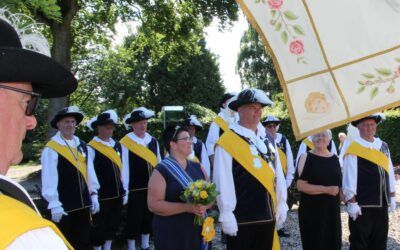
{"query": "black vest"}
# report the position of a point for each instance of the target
(139, 169)
(197, 148)
(72, 189)
(373, 188)
(109, 175)
(11, 190)
(253, 202)
(282, 144)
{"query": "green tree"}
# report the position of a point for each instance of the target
(254, 64)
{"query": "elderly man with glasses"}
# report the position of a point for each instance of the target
(25, 75)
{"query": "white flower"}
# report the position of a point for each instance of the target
(257, 163)
(253, 150)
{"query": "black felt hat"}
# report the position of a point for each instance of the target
(71, 111)
(271, 119)
(192, 121)
(19, 64)
(249, 96)
(378, 117)
(138, 114)
(108, 117)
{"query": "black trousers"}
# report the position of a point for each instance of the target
(252, 237)
(370, 230)
(106, 222)
(139, 218)
(76, 228)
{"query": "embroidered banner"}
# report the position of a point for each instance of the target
(337, 61)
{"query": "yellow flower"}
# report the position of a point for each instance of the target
(199, 184)
(191, 188)
(208, 231)
(203, 194)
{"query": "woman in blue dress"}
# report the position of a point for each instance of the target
(173, 226)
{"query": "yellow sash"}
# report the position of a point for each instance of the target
(194, 159)
(221, 123)
(283, 160)
(17, 218)
(371, 155)
(140, 150)
(67, 154)
(107, 151)
(309, 143)
(239, 149)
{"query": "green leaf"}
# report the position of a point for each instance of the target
(368, 75)
(397, 59)
(298, 29)
(374, 92)
(361, 89)
(278, 26)
(361, 82)
(273, 13)
(384, 71)
(284, 37)
(290, 15)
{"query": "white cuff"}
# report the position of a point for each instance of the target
(53, 204)
(226, 216)
(281, 213)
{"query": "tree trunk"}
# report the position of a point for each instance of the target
(61, 52)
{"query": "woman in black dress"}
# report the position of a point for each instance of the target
(319, 180)
(173, 226)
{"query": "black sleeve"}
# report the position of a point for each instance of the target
(305, 175)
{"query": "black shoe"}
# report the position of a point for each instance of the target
(283, 234)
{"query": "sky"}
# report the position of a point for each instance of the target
(225, 45)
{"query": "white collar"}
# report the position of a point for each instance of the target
(143, 141)
(194, 139)
(278, 137)
(376, 144)
(72, 143)
(110, 143)
(256, 139)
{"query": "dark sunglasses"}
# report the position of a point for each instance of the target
(271, 126)
(32, 103)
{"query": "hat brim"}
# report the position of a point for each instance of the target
(78, 117)
(377, 119)
(234, 105)
(47, 77)
(103, 123)
(269, 122)
(132, 120)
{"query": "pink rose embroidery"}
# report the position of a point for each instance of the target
(296, 47)
(275, 4)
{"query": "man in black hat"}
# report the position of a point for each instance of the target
(140, 154)
(199, 153)
(250, 181)
(271, 124)
(368, 185)
(106, 157)
(26, 75)
(225, 117)
(69, 182)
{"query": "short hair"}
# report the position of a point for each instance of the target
(328, 131)
(171, 134)
(341, 134)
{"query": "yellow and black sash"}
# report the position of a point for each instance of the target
(309, 143)
(79, 164)
(108, 152)
(283, 159)
(221, 123)
(16, 218)
(240, 150)
(140, 150)
(194, 159)
(372, 155)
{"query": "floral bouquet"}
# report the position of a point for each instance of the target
(203, 193)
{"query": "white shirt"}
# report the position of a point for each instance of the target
(213, 132)
(92, 152)
(37, 239)
(223, 177)
(204, 161)
(125, 155)
(289, 160)
(350, 168)
(49, 161)
(303, 149)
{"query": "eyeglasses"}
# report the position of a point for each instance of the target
(186, 139)
(32, 103)
(271, 126)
